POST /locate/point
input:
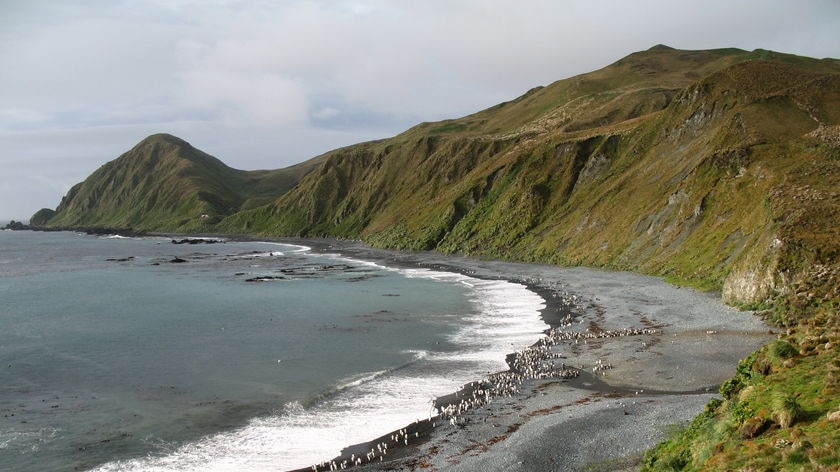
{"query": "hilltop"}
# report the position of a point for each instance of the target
(718, 169)
(165, 184)
(676, 163)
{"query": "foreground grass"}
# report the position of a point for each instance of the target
(781, 411)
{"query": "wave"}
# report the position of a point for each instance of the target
(301, 433)
(21, 442)
(297, 437)
(255, 255)
(297, 248)
(287, 248)
(363, 378)
(359, 380)
(507, 319)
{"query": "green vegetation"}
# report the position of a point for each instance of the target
(164, 184)
(715, 169)
(780, 412)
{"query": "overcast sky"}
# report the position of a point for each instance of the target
(267, 84)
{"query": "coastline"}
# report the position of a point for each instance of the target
(602, 419)
(628, 391)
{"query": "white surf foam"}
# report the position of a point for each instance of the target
(299, 437)
(290, 248)
(370, 405)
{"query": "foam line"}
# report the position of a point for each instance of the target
(508, 319)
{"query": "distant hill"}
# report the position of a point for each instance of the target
(165, 184)
(718, 169)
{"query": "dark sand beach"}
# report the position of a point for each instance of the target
(627, 357)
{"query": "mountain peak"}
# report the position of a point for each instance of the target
(162, 138)
(661, 47)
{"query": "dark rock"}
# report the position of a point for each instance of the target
(265, 278)
(754, 427)
(16, 226)
(196, 241)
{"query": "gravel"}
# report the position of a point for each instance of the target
(602, 420)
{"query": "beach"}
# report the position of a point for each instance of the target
(209, 354)
(627, 358)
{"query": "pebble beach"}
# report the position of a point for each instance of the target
(627, 358)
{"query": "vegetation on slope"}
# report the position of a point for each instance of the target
(164, 184)
(780, 411)
(644, 165)
(714, 168)
(717, 169)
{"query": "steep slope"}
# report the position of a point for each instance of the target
(165, 184)
(720, 169)
(679, 163)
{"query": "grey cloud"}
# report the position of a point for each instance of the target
(268, 84)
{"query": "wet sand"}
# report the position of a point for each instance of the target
(648, 355)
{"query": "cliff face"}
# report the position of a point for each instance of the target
(719, 168)
(716, 168)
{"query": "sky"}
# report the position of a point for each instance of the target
(266, 84)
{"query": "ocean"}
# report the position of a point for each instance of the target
(138, 354)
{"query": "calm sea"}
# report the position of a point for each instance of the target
(138, 354)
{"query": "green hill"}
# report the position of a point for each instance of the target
(719, 169)
(677, 163)
(165, 184)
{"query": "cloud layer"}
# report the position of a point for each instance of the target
(265, 84)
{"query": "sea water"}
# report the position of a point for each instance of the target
(138, 354)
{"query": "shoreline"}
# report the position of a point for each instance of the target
(628, 391)
(689, 356)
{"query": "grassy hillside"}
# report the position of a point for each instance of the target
(719, 169)
(164, 184)
(678, 163)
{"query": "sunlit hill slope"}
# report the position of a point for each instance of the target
(165, 184)
(708, 166)
(719, 169)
